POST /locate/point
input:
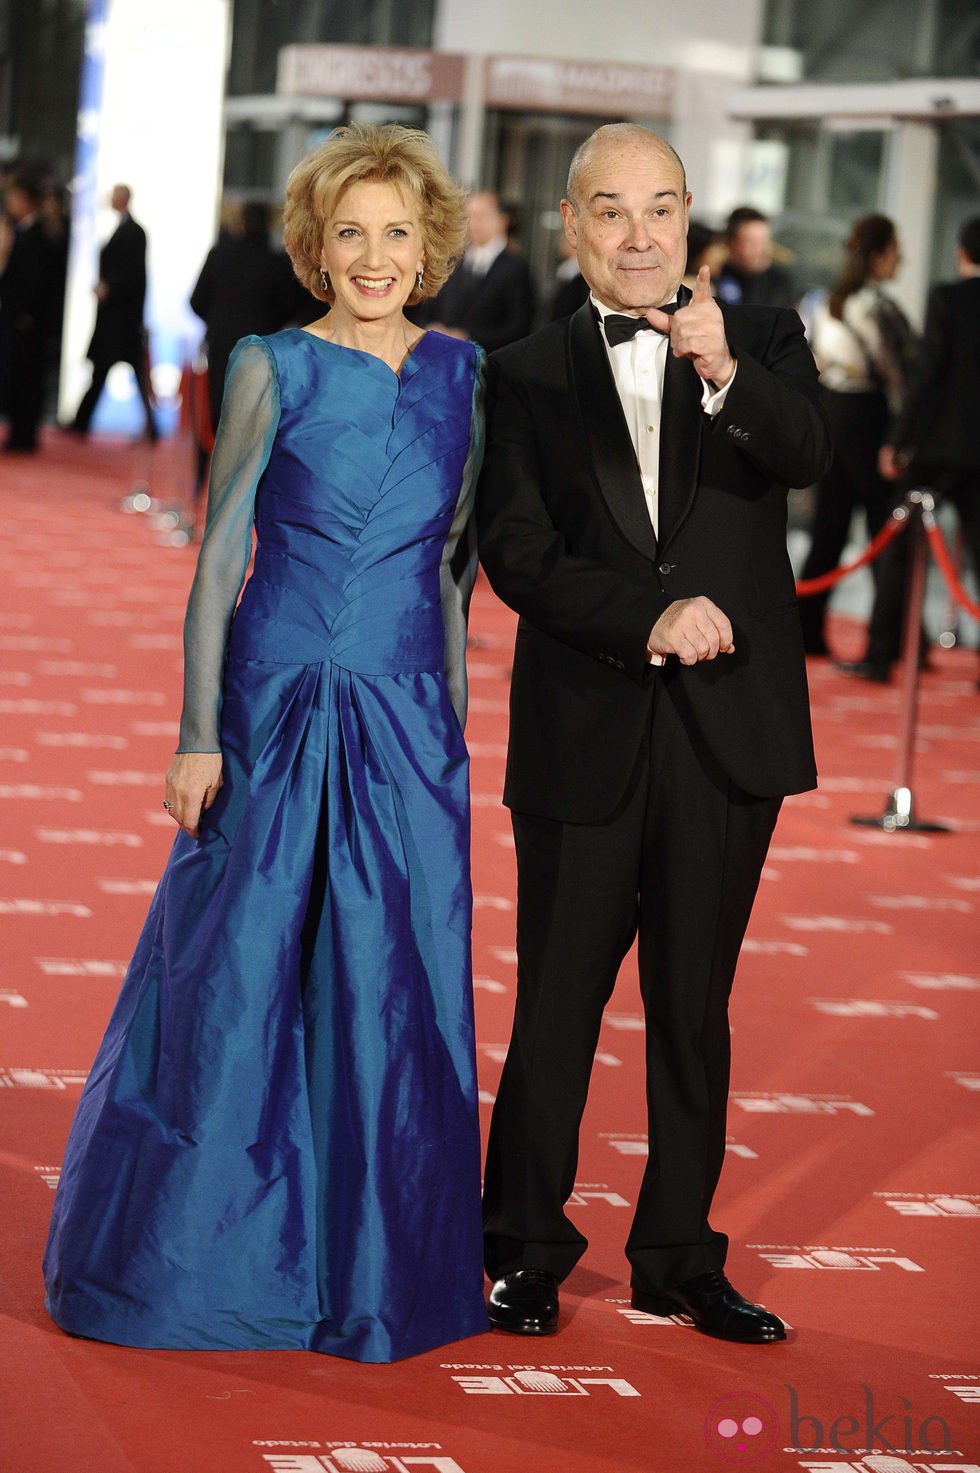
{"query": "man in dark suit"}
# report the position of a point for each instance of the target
(490, 296)
(245, 287)
(632, 509)
(29, 292)
(121, 294)
(750, 277)
(934, 441)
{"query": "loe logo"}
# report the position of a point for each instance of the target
(103, 837)
(779, 1104)
(784, 853)
(643, 1317)
(625, 1022)
(41, 1078)
(627, 1144)
(942, 981)
(921, 1204)
(359, 1460)
(859, 1007)
(964, 1385)
(841, 924)
(68, 966)
(846, 1259)
(754, 947)
(595, 1191)
(34, 791)
(541, 1381)
(24, 907)
(887, 1463)
(921, 902)
(966, 1081)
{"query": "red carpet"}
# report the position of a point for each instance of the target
(851, 1192)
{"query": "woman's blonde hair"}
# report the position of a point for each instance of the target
(389, 154)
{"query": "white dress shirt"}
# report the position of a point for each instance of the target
(479, 259)
(638, 367)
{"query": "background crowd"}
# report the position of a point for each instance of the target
(868, 352)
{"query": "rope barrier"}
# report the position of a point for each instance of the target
(897, 523)
(945, 564)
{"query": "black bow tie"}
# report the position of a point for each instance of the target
(619, 329)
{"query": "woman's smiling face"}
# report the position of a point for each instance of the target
(372, 250)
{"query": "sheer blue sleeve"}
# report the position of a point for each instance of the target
(249, 419)
(459, 558)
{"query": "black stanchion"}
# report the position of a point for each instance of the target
(169, 515)
(951, 633)
(899, 814)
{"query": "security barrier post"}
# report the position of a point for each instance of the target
(899, 811)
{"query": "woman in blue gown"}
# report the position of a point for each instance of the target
(278, 1144)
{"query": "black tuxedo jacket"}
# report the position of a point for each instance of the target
(938, 421)
(566, 540)
(493, 309)
(28, 290)
(119, 319)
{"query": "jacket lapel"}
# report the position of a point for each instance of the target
(681, 425)
(613, 457)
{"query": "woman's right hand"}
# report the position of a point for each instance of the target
(192, 784)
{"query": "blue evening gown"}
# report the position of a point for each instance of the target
(278, 1144)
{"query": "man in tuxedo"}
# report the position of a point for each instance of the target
(490, 296)
(121, 293)
(632, 509)
(245, 286)
(933, 441)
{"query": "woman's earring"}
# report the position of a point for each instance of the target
(324, 280)
(421, 281)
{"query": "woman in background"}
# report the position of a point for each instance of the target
(864, 347)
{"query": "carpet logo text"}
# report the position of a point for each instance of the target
(782, 1255)
(524, 1380)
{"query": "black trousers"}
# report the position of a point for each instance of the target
(678, 865)
(25, 386)
(857, 427)
(100, 372)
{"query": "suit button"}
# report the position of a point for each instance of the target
(619, 664)
(665, 568)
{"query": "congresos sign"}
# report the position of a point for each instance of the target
(360, 73)
(542, 84)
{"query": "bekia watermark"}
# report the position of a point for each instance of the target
(741, 1427)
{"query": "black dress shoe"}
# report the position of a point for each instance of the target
(716, 1308)
(875, 670)
(525, 1302)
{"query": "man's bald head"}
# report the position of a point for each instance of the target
(616, 136)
